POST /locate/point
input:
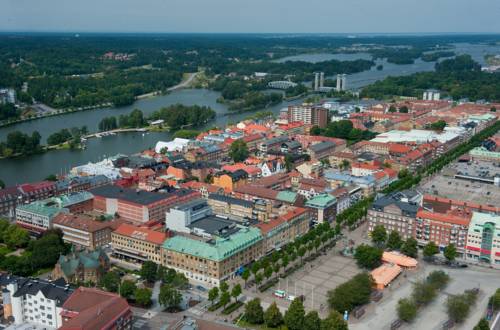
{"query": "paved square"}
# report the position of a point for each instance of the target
(326, 273)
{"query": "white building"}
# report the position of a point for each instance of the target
(180, 217)
(431, 95)
(177, 144)
(34, 301)
(416, 135)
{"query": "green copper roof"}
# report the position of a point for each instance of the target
(42, 208)
(481, 151)
(321, 201)
(88, 260)
(286, 196)
(223, 248)
(480, 219)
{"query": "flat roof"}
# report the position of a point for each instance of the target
(135, 196)
(215, 225)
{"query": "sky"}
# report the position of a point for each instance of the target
(251, 16)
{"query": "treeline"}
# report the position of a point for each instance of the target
(255, 100)
(117, 87)
(343, 129)
(73, 136)
(178, 115)
(295, 91)
(8, 111)
(135, 119)
(460, 77)
(19, 143)
(434, 56)
(39, 254)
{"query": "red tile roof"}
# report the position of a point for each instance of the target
(141, 233)
(442, 217)
(93, 309)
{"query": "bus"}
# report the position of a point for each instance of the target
(280, 293)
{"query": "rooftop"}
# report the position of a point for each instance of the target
(231, 200)
(135, 196)
(321, 201)
(218, 249)
(215, 225)
(140, 233)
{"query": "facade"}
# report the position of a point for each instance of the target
(211, 261)
(179, 218)
(226, 205)
(82, 267)
(321, 150)
(230, 180)
(483, 239)
(93, 309)
(137, 244)
(323, 207)
(34, 301)
(83, 231)
(37, 216)
(10, 197)
(395, 212)
(284, 229)
(308, 114)
(442, 229)
(138, 206)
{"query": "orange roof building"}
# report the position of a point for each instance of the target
(384, 275)
(138, 243)
(400, 260)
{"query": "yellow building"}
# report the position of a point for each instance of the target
(230, 180)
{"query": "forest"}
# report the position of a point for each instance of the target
(458, 78)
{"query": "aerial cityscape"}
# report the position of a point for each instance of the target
(230, 171)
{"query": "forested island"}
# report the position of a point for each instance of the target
(458, 78)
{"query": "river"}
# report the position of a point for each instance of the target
(37, 167)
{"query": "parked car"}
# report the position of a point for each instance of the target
(201, 288)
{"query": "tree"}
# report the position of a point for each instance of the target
(238, 151)
(169, 297)
(272, 316)
(351, 294)
(312, 321)
(143, 296)
(149, 270)
(255, 268)
(254, 313)
(223, 287)
(394, 241)
(379, 235)
(407, 310)
(111, 281)
(268, 272)
(368, 256)
(438, 279)
(438, 125)
(457, 307)
(392, 108)
(482, 325)
(450, 252)
(225, 298)
(245, 275)
(302, 252)
(409, 248)
(236, 291)
(423, 293)
(430, 250)
(334, 321)
(258, 278)
(15, 237)
(495, 300)
(294, 316)
(127, 289)
(51, 177)
(213, 293)
(2, 184)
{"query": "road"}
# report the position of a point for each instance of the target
(184, 83)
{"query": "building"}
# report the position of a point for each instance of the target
(93, 309)
(82, 267)
(137, 244)
(230, 180)
(138, 206)
(34, 301)
(10, 197)
(213, 260)
(442, 228)
(226, 205)
(284, 229)
(431, 95)
(272, 145)
(84, 231)
(323, 207)
(179, 218)
(483, 239)
(382, 276)
(322, 150)
(396, 212)
(37, 216)
(308, 114)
